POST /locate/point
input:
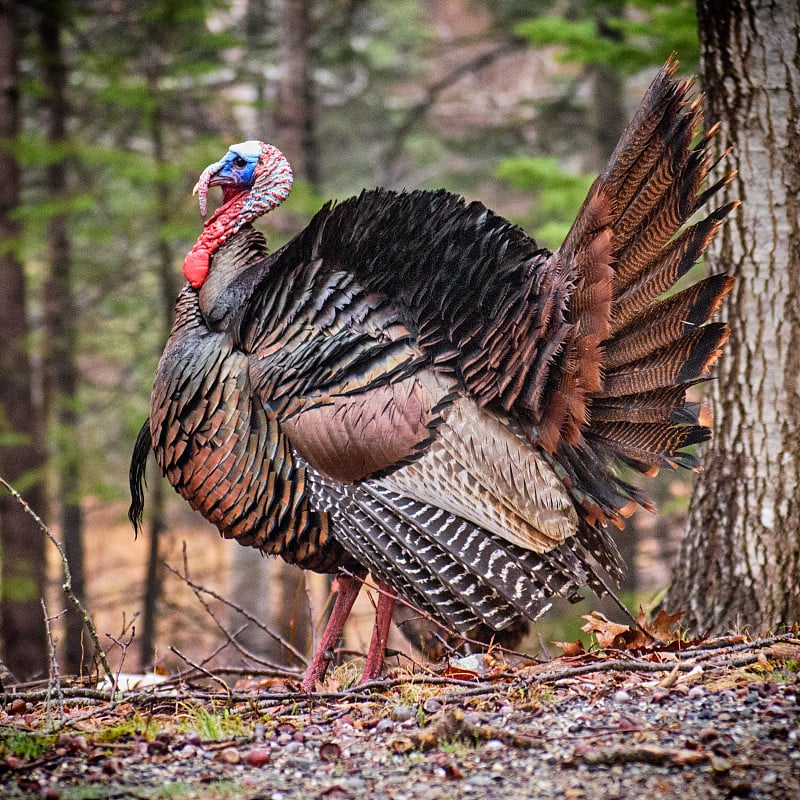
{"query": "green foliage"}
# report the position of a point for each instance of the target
(643, 37)
(215, 725)
(26, 745)
(125, 729)
(557, 194)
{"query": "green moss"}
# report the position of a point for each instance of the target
(26, 745)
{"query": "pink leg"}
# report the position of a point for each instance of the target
(349, 586)
(380, 633)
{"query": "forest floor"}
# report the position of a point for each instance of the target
(709, 719)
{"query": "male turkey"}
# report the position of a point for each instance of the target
(412, 387)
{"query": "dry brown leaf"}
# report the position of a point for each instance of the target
(571, 649)
(662, 626)
(612, 635)
(459, 673)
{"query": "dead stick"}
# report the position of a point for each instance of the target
(247, 615)
(205, 672)
(67, 585)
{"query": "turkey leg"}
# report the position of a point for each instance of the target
(380, 632)
(349, 586)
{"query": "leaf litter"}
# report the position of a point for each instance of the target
(642, 712)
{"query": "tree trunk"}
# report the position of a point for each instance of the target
(271, 589)
(168, 286)
(740, 558)
(294, 113)
(60, 366)
(24, 646)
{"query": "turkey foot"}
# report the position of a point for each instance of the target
(349, 586)
(380, 632)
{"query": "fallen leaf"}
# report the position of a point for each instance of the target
(612, 635)
(571, 649)
(661, 627)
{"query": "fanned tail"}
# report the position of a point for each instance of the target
(654, 348)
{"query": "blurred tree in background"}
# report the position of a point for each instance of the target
(21, 455)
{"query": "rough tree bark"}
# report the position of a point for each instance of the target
(168, 290)
(288, 613)
(60, 324)
(739, 564)
(22, 567)
(270, 589)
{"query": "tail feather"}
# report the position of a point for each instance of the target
(687, 358)
(663, 196)
(654, 348)
(655, 218)
(651, 443)
(662, 272)
(666, 322)
(659, 405)
(643, 142)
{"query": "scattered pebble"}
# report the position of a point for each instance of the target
(330, 751)
(18, 706)
(258, 756)
(402, 713)
(621, 696)
(659, 695)
(384, 726)
(229, 755)
(494, 745)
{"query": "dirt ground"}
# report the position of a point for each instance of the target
(714, 719)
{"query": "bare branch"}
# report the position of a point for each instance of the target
(418, 111)
(67, 585)
(54, 684)
(205, 672)
(199, 589)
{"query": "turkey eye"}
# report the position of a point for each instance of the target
(239, 162)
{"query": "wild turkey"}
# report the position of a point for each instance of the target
(412, 387)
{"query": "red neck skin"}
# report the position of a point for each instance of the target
(216, 229)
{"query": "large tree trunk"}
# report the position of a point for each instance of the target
(22, 575)
(271, 589)
(60, 364)
(294, 114)
(739, 564)
(168, 291)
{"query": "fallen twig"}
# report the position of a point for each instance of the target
(205, 672)
(456, 725)
(638, 753)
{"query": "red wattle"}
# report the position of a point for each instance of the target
(196, 266)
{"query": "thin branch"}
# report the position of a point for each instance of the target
(418, 111)
(55, 676)
(205, 672)
(198, 589)
(67, 585)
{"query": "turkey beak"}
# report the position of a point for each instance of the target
(203, 182)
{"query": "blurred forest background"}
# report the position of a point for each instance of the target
(113, 109)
